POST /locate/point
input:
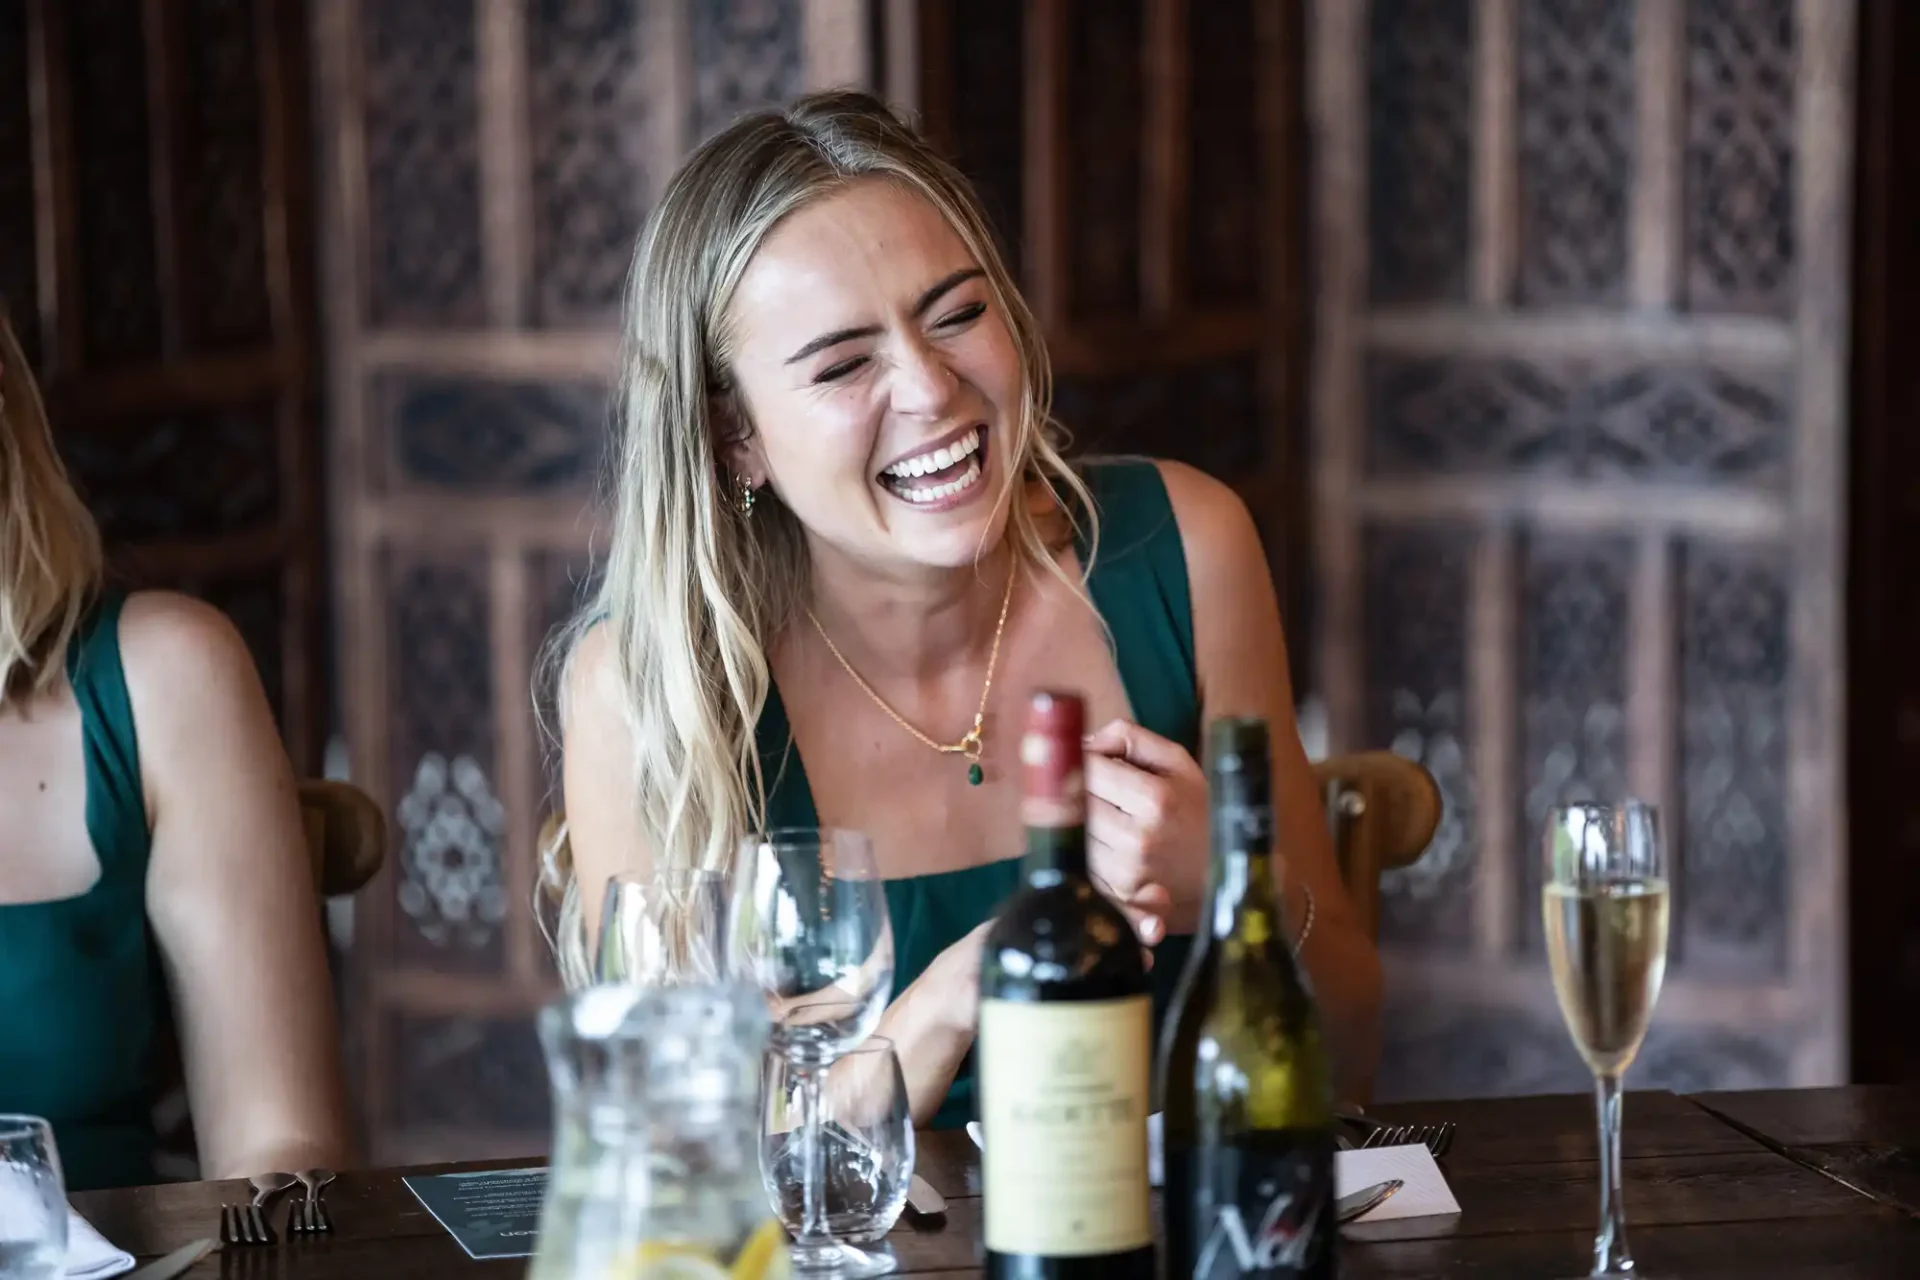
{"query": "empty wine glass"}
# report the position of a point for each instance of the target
(663, 929)
(33, 1201)
(1604, 901)
(808, 924)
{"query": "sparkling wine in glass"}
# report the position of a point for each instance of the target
(1604, 903)
(808, 925)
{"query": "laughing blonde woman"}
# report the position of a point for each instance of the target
(844, 529)
(153, 873)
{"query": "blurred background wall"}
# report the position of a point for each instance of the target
(1531, 330)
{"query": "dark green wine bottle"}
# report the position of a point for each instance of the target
(1244, 1078)
(1066, 1043)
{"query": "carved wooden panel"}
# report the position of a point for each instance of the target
(451, 885)
(152, 260)
(1208, 415)
(1575, 607)
(587, 112)
(1576, 87)
(19, 287)
(1416, 647)
(226, 196)
(487, 167)
(1732, 832)
(1577, 418)
(178, 475)
(1419, 132)
(472, 1073)
(1141, 159)
(746, 54)
(1105, 70)
(515, 437)
(1226, 215)
(985, 132)
(1578, 268)
(421, 87)
(1741, 57)
(119, 272)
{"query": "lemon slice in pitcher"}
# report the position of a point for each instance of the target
(764, 1256)
(669, 1260)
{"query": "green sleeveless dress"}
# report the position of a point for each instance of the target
(80, 984)
(1139, 584)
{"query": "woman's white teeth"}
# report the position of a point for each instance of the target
(937, 459)
(935, 492)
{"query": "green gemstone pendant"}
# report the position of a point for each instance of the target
(975, 774)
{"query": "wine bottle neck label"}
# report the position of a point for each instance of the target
(1064, 1094)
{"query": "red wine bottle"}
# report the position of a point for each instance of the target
(1247, 1090)
(1065, 1045)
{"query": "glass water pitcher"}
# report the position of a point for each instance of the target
(655, 1172)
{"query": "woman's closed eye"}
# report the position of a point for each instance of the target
(839, 371)
(963, 317)
(952, 322)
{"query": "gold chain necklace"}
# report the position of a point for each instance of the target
(970, 745)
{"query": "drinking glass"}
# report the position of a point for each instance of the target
(1604, 901)
(33, 1201)
(808, 924)
(663, 929)
(867, 1138)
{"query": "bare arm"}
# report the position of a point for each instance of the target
(1242, 656)
(230, 893)
(931, 1023)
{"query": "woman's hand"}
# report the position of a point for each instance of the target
(1147, 827)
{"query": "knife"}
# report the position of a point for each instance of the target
(174, 1263)
(923, 1199)
(1365, 1200)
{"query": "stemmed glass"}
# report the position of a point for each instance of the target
(663, 929)
(808, 924)
(1604, 900)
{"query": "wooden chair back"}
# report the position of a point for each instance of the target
(1383, 810)
(346, 835)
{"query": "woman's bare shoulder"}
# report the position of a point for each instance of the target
(175, 648)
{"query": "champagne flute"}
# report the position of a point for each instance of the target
(1604, 900)
(808, 924)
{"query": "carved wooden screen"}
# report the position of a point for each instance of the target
(1579, 422)
(153, 261)
(487, 166)
(1139, 161)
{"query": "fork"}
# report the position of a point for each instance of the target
(247, 1224)
(308, 1216)
(1436, 1138)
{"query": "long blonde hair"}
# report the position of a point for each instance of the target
(692, 593)
(50, 561)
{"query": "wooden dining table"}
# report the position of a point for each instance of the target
(1807, 1182)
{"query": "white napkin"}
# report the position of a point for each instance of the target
(1425, 1194)
(1426, 1191)
(89, 1256)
